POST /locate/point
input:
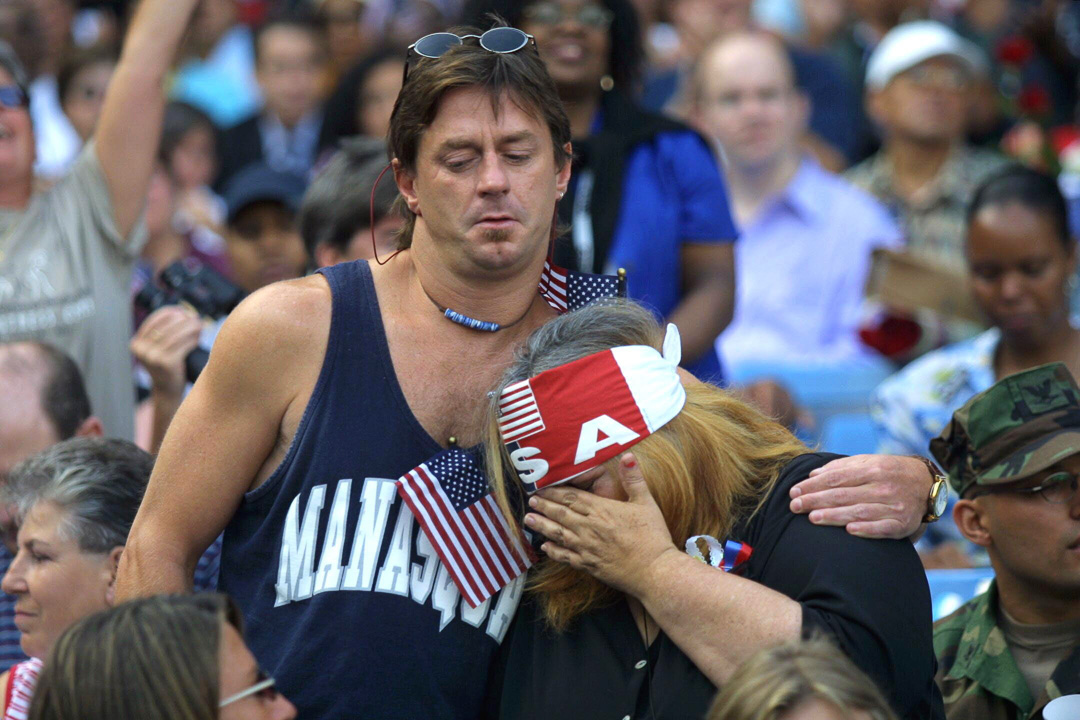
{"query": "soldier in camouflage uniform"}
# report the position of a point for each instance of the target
(1013, 454)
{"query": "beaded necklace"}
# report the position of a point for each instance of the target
(472, 323)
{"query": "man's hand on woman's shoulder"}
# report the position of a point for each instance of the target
(873, 496)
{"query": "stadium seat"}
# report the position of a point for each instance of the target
(949, 589)
(848, 434)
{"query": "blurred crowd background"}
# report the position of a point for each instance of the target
(903, 177)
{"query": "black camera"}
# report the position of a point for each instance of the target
(191, 283)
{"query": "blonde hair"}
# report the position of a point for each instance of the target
(153, 659)
(777, 680)
(711, 466)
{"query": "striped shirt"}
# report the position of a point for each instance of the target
(20, 689)
(10, 650)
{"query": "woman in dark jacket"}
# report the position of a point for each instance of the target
(617, 620)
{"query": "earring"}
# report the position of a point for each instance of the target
(607, 83)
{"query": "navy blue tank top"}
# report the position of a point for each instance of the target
(345, 601)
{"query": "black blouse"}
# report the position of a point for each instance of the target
(870, 596)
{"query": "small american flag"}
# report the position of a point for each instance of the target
(449, 496)
(519, 415)
(567, 290)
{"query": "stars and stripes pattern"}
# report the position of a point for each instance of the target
(567, 290)
(449, 496)
(21, 682)
(519, 415)
(727, 556)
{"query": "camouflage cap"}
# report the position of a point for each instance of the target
(1020, 426)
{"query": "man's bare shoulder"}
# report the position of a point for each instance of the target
(284, 312)
(275, 327)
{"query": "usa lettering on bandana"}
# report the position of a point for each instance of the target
(576, 417)
(556, 426)
(450, 497)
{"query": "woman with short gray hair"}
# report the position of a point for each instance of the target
(75, 503)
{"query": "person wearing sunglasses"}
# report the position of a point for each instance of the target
(179, 657)
(325, 389)
(334, 385)
(1012, 454)
(67, 253)
(642, 169)
(646, 193)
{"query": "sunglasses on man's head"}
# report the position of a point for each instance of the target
(12, 96)
(500, 40)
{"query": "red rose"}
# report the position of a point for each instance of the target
(1034, 100)
(1064, 136)
(1014, 50)
(891, 335)
(252, 12)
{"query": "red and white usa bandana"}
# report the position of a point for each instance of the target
(577, 416)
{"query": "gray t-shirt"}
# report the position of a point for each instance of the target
(65, 279)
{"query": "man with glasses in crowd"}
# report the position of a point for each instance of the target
(66, 254)
(1013, 454)
(322, 391)
(918, 90)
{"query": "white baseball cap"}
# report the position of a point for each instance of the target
(909, 44)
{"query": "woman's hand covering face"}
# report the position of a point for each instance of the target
(615, 540)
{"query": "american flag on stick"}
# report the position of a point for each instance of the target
(449, 496)
(567, 290)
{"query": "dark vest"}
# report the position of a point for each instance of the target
(345, 601)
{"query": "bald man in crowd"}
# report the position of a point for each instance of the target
(807, 234)
(44, 402)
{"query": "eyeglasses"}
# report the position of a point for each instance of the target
(12, 96)
(946, 78)
(551, 13)
(1059, 488)
(263, 688)
(500, 40)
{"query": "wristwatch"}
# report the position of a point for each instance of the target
(939, 493)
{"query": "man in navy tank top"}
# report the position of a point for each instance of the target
(321, 392)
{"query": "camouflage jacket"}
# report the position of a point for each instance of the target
(978, 677)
